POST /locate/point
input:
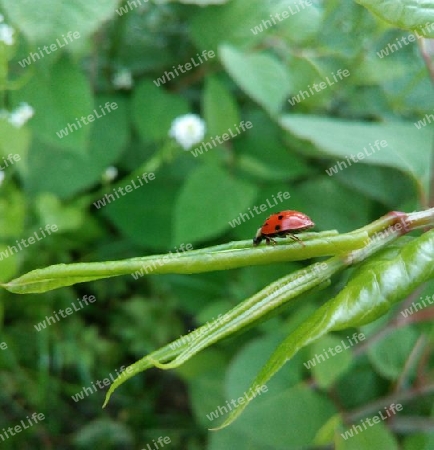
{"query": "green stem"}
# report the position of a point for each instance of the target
(230, 256)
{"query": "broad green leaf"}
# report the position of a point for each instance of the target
(8, 263)
(145, 214)
(309, 197)
(261, 152)
(60, 98)
(230, 437)
(13, 141)
(380, 282)
(303, 23)
(250, 358)
(396, 144)
(390, 354)
(262, 77)
(47, 21)
(231, 23)
(154, 109)
(406, 14)
(360, 385)
(74, 172)
(329, 359)
(419, 441)
(220, 109)
(288, 419)
(376, 435)
(13, 207)
(198, 217)
(196, 2)
(383, 184)
(51, 211)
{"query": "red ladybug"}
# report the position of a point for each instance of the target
(283, 223)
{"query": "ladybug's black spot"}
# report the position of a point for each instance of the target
(277, 227)
(280, 217)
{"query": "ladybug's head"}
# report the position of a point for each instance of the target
(258, 237)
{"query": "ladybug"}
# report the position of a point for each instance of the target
(283, 223)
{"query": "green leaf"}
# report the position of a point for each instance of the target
(261, 153)
(14, 141)
(51, 211)
(341, 203)
(154, 110)
(59, 97)
(8, 263)
(406, 14)
(376, 435)
(220, 109)
(145, 214)
(46, 21)
(198, 217)
(200, 2)
(74, 172)
(365, 141)
(330, 364)
(380, 282)
(288, 420)
(13, 207)
(260, 76)
(229, 23)
(390, 355)
(302, 24)
(382, 184)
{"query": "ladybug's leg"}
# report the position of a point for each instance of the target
(295, 238)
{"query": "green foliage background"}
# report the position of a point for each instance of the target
(192, 200)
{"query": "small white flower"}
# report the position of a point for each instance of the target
(6, 34)
(110, 174)
(21, 115)
(122, 79)
(2, 177)
(187, 130)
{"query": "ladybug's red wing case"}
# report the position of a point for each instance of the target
(282, 224)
